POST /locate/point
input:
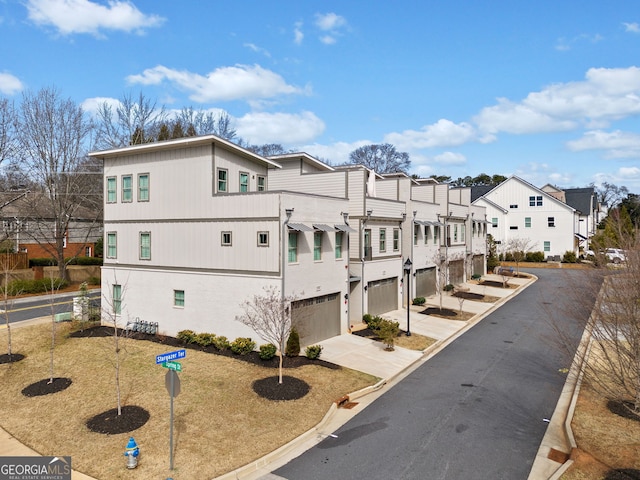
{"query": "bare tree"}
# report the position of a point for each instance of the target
(382, 158)
(112, 307)
(54, 288)
(269, 315)
(53, 137)
(8, 134)
(442, 265)
(518, 248)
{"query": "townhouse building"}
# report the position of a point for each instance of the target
(196, 226)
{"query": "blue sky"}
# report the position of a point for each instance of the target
(546, 90)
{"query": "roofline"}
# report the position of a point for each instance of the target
(180, 142)
(304, 155)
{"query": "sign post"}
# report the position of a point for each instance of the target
(172, 382)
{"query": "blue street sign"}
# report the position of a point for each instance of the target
(166, 357)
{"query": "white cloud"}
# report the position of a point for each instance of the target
(563, 44)
(331, 25)
(443, 133)
(298, 35)
(450, 158)
(616, 144)
(9, 84)
(631, 27)
(258, 49)
(240, 82)
(335, 153)
(91, 105)
(84, 16)
(286, 128)
(605, 95)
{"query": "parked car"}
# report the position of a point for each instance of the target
(614, 255)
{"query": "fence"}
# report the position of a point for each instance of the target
(13, 261)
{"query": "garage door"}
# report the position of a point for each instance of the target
(317, 318)
(426, 282)
(456, 272)
(382, 296)
(478, 265)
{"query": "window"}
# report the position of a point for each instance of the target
(117, 299)
(426, 234)
(112, 195)
(127, 188)
(535, 201)
(87, 251)
(226, 239)
(339, 238)
(244, 182)
(178, 298)
(455, 233)
(551, 221)
(368, 254)
(262, 183)
(547, 246)
(396, 239)
(317, 246)
(263, 239)
(416, 233)
(494, 222)
(513, 205)
(462, 233)
(222, 180)
(293, 247)
(383, 239)
(145, 246)
(527, 222)
(143, 187)
(513, 227)
(112, 245)
(436, 234)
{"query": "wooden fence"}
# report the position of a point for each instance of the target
(13, 261)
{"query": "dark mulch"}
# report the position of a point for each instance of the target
(291, 388)
(131, 418)
(14, 357)
(491, 283)
(444, 312)
(253, 357)
(368, 333)
(46, 387)
(623, 474)
(624, 408)
(469, 295)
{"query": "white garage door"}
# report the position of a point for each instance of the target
(317, 318)
(382, 296)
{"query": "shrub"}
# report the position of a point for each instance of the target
(419, 301)
(476, 276)
(448, 287)
(187, 336)
(373, 322)
(42, 262)
(534, 257)
(86, 261)
(292, 348)
(243, 345)
(94, 281)
(221, 342)
(508, 257)
(569, 257)
(312, 352)
(43, 285)
(388, 332)
(268, 351)
(205, 339)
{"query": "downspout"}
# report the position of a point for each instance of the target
(285, 243)
(345, 217)
(363, 223)
(413, 233)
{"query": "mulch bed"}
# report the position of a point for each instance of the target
(624, 408)
(291, 388)
(368, 333)
(469, 295)
(623, 474)
(14, 357)
(440, 312)
(46, 387)
(492, 283)
(131, 418)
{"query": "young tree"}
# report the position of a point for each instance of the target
(518, 248)
(382, 158)
(53, 138)
(112, 307)
(442, 265)
(269, 315)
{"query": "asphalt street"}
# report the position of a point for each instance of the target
(40, 306)
(477, 410)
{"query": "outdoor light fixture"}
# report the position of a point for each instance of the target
(345, 217)
(289, 212)
(407, 269)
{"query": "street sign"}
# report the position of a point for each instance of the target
(172, 382)
(165, 357)
(175, 366)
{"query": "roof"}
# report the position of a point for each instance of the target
(304, 156)
(581, 199)
(480, 190)
(181, 143)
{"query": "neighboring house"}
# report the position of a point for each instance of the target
(196, 226)
(517, 209)
(28, 227)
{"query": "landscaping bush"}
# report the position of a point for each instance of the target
(43, 285)
(476, 276)
(205, 339)
(448, 287)
(268, 351)
(508, 257)
(312, 352)
(388, 332)
(534, 257)
(86, 261)
(569, 257)
(221, 342)
(94, 281)
(187, 336)
(373, 322)
(292, 348)
(419, 301)
(42, 262)
(243, 345)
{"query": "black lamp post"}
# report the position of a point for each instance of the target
(407, 269)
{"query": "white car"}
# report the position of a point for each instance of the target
(614, 255)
